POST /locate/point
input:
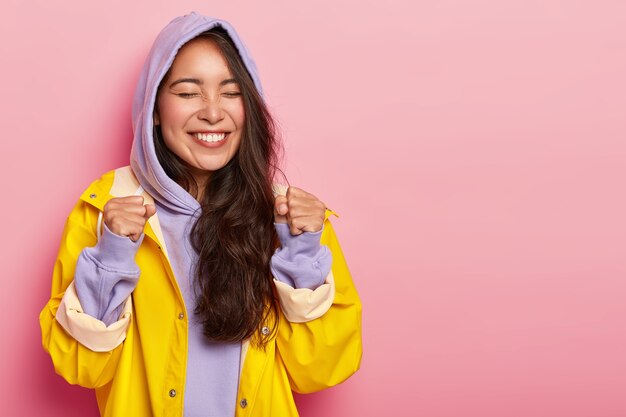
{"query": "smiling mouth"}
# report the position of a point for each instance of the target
(210, 137)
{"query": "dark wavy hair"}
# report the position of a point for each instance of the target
(234, 236)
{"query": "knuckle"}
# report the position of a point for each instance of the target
(110, 205)
(293, 191)
(295, 201)
(295, 212)
(116, 222)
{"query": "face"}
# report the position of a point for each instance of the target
(200, 109)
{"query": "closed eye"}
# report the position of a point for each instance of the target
(187, 95)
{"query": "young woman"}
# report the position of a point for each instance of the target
(187, 284)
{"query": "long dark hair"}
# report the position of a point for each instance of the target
(234, 236)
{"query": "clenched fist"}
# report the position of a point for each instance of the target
(127, 216)
(302, 211)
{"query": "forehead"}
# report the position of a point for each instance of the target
(199, 55)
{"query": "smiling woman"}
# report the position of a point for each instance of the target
(188, 283)
(202, 107)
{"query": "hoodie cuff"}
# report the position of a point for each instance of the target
(301, 262)
(114, 252)
(106, 275)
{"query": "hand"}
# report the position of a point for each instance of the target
(302, 211)
(127, 216)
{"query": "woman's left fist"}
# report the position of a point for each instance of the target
(302, 211)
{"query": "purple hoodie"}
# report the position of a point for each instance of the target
(107, 273)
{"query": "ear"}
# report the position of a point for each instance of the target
(156, 119)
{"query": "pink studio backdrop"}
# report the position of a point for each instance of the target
(475, 152)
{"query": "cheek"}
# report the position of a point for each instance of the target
(172, 114)
(170, 118)
(237, 113)
(239, 117)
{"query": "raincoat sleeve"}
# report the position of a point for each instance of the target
(319, 337)
(74, 361)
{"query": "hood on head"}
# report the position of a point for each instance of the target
(143, 159)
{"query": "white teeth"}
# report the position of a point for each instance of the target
(210, 137)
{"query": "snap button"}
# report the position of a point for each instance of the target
(181, 316)
(172, 393)
(93, 195)
(243, 403)
(265, 330)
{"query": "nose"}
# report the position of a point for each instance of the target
(211, 111)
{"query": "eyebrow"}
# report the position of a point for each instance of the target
(199, 82)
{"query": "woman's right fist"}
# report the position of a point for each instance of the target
(127, 216)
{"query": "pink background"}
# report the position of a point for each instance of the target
(475, 150)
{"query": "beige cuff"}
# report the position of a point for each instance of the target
(302, 304)
(89, 331)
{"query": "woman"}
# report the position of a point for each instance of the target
(184, 283)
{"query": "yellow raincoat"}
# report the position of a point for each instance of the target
(145, 374)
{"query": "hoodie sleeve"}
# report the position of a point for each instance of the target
(106, 275)
(301, 262)
(303, 274)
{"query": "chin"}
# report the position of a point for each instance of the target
(212, 166)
